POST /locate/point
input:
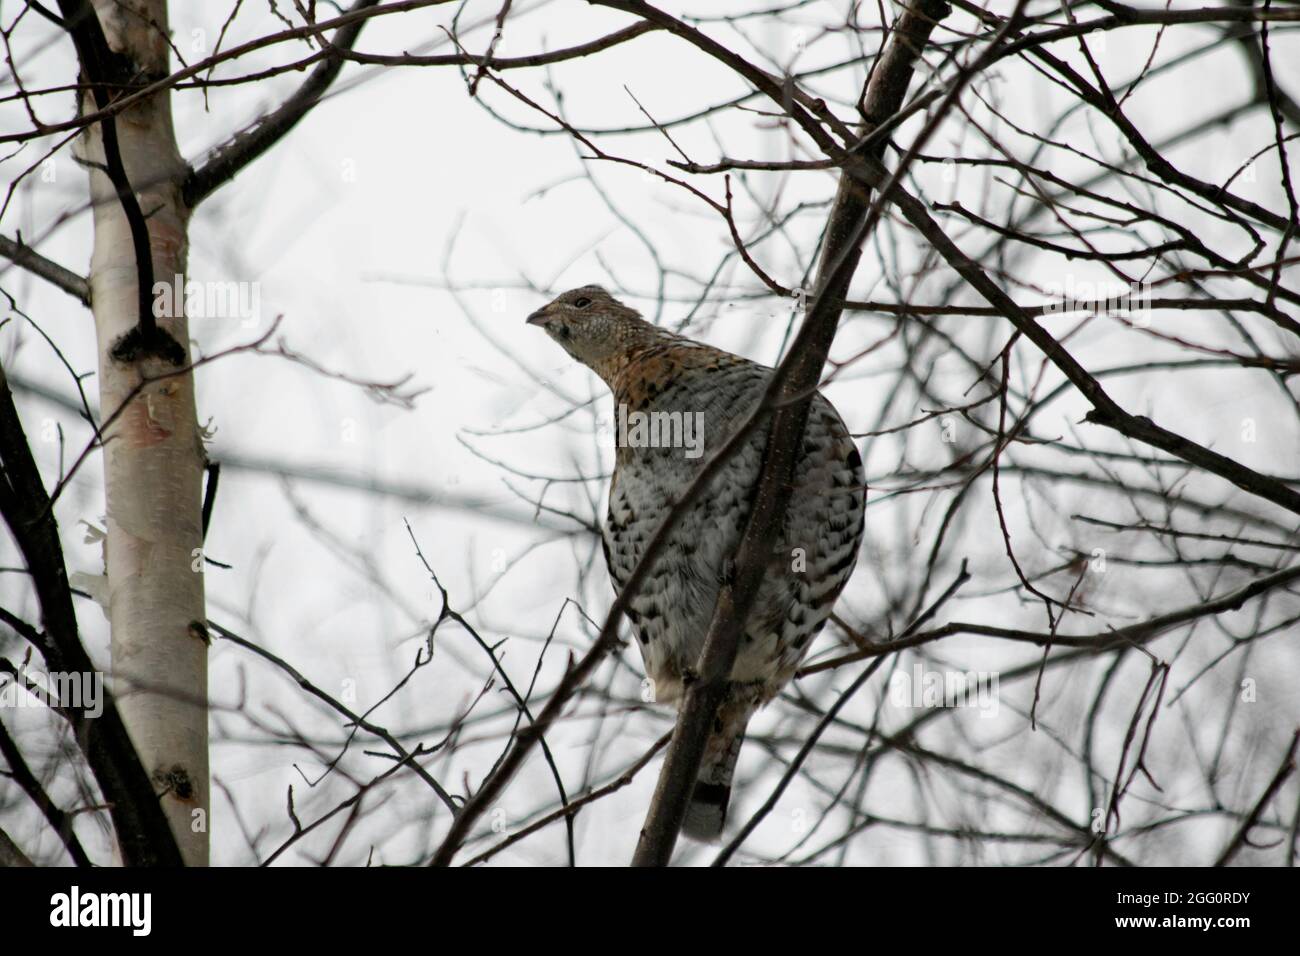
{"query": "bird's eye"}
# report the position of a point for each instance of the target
(581, 303)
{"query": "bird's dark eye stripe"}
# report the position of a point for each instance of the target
(581, 303)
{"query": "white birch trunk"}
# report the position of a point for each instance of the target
(153, 458)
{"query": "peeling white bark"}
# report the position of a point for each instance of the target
(153, 458)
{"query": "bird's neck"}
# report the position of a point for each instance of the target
(643, 358)
(642, 375)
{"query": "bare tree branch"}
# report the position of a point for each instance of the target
(226, 162)
(35, 263)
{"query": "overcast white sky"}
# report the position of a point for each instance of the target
(347, 226)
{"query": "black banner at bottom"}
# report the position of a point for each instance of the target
(338, 906)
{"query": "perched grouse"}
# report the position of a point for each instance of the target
(676, 403)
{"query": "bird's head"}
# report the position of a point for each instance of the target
(592, 326)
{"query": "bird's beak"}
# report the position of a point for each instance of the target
(540, 316)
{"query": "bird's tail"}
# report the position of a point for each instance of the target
(707, 811)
